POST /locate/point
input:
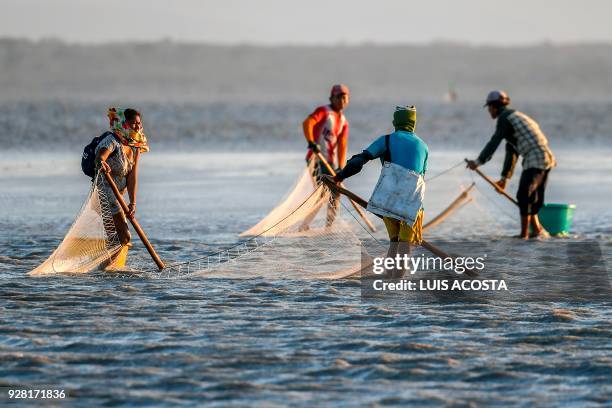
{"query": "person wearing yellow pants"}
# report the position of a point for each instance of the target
(399, 193)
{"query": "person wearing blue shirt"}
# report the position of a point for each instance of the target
(404, 148)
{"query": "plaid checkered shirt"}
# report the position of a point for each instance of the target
(524, 137)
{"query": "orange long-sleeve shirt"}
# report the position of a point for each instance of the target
(330, 130)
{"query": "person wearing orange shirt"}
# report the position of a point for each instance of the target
(326, 130)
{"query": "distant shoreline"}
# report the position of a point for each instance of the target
(340, 44)
(180, 71)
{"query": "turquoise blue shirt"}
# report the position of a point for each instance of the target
(407, 150)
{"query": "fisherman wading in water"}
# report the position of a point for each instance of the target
(326, 130)
(523, 137)
(400, 190)
(117, 154)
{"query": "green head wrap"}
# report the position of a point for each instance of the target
(404, 118)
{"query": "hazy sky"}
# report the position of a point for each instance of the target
(310, 21)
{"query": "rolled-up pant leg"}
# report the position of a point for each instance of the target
(334, 200)
(532, 187)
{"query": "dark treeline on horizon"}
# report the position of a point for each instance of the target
(178, 71)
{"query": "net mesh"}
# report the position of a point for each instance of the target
(301, 192)
(307, 234)
(90, 242)
(311, 233)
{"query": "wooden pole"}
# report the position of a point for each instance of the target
(359, 210)
(452, 207)
(135, 223)
(495, 186)
(430, 247)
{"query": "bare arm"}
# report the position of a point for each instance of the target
(101, 157)
(132, 183)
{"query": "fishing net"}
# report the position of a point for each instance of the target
(304, 243)
(90, 242)
(316, 239)
(301, 191)
(311, 233)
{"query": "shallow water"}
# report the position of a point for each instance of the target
(273, 341)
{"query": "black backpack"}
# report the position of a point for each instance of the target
(88, 160)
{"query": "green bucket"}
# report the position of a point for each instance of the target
(557, 218)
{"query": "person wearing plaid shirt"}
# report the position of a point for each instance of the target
(525, 138)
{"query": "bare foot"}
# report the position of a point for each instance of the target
(521, 236)
(542, 234)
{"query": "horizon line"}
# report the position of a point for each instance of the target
(338, 44)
